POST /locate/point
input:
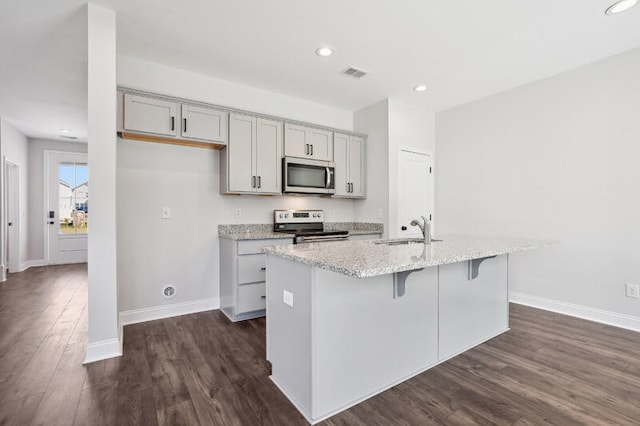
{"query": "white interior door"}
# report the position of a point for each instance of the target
(67, 211)
(12, 189)
(415, 191)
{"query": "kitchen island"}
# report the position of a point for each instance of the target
(347, 320)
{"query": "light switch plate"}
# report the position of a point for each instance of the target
(166, 213)
(287, 298)
(238, 212)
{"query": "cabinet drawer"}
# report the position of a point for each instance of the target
(255, 246)
(251, 297)
(251, 268)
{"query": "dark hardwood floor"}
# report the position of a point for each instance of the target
(202, 369)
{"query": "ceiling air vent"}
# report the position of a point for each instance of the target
(354, 72)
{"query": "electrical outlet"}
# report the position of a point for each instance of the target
(633, 290)
(166, 213)
(287, 298)
(238, 212)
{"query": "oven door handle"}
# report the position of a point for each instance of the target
(328, 172)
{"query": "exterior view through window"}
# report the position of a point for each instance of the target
(73, 204)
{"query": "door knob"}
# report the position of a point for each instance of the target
(403, 228)
(10, 224)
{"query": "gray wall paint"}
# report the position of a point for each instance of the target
(556, 159)
(37, 191)
(13, 146)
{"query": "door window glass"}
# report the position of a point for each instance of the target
(73, 201)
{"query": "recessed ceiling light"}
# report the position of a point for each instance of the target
(65, 131)
(620, 6)
(420, 88)
(323, 51)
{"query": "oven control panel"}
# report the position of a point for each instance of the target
(298, 216)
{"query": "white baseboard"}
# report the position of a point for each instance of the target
(102, 350)
(31, 263)
(598, 315)
(167, 311)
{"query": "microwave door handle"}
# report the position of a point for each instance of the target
(328, 172)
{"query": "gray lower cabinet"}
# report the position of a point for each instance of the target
(242, 277)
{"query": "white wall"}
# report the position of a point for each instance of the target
(104, 338)
(37, 214)
(14, 147)
(374, 122)
(183, 250)
(390, 125)
(557, 159)
(409, 127)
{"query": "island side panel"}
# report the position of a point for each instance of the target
(472, 311)
(364, 340)
(289, 330)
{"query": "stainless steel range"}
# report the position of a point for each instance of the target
(307, 225)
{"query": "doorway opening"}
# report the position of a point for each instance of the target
(66, 207)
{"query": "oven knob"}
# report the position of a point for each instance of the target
(286, 215)
(315, 215)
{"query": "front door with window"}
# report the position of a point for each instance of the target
(67, 212)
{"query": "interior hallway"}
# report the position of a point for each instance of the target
(202, 369)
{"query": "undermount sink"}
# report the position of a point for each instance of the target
(404, 241)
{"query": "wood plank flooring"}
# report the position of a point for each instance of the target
(202, 369)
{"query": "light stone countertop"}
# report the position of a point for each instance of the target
(265, 231)
(362, 259)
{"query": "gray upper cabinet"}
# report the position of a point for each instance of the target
(150, 115)
(349, 154)
(308, 142)
(252, 161)
(204, 124)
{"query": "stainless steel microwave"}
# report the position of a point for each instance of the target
(304, 176)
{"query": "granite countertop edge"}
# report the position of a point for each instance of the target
(364, 259)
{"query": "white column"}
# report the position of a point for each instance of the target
(104, 334)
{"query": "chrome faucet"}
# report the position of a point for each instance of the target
(425, 227)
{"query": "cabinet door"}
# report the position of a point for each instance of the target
(321, 144)
(242, 134)
(295, 141)
(268, 153)
(205, 124)
(356, 175)
(149, 115)
(340, 150)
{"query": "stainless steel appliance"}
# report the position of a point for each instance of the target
(306, 225)
(307, 176)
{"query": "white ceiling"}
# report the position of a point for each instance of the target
(461, 50)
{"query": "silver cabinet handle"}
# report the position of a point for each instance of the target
(184, 120)
(311, 149)
(263, 297)
(306, 149)
(253, 181)
(173, 123)
(264, 268)
(259, 181)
